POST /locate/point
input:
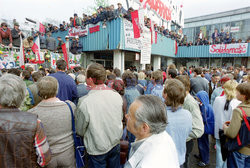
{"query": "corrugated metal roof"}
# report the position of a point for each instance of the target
(203, 52)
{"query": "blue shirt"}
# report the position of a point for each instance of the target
(131, 93)
(149, 88)
(67, 86)
(82, 90)
(179, 127)
(157, 91)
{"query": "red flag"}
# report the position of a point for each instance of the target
(135, 21)
(176, 47)
(36, 49)
(41, 28)
(64, 50)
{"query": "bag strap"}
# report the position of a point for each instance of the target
(247, 124)
(73, 122)
(245, 118)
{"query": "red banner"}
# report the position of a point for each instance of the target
(135, 22)
(238, 48)
(159, 7)
(94, 29)
(65, 55)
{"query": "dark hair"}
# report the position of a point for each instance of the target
(119, 86)
(4, 24)
(175, 91)
(30, 69)
(129, 78)
(26, 74)
(157, 76)
(198, 71)
(244, 89)
(36, 76)
(61, 65)
(185, 80)
(97, 73)
(30, 38)
(172, 72)
(117, 72)
(14, 71)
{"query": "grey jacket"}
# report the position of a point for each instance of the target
(51, 43)
(16, 38)
(198, 84)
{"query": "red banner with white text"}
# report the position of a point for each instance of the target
(238, 48)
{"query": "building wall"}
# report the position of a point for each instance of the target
(236, 19)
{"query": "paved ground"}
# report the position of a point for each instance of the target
(194, 161)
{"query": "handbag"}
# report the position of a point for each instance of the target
(243, 137)
(224, 150)
(78, 141)
(124, 146)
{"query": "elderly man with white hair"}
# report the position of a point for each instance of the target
(81, 87)
(153, 147)
(22, 136)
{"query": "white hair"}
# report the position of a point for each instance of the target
(153, 112)
(80, 78)
(12, 91)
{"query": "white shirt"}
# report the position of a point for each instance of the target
(221, 115)
(157, 151)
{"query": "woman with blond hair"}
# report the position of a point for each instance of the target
(223, 109)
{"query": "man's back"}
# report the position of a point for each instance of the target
(198, 84)
(99, 120)
(67, 87)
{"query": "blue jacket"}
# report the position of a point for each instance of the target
(67, 86)
(179, 127)
(206, 112)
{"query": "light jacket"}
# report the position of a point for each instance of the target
(157, 151)
(197, 123)
(221, 115)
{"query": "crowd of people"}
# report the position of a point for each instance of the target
(216, 38)
(160, 113)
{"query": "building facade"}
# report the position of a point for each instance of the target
(237, 22)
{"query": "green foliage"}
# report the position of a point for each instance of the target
(91, 9)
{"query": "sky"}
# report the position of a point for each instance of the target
(63, 9)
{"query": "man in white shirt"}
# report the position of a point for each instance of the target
(99, 120)
(153, 147)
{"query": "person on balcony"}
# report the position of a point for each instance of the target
(51, 43)
(205, 41)
(222, 35)
(5, 35)
(76, 46)
(120, 11)
(128, 15)
(42, 41)
(16, 33)
(102, 14)
(95, 19)
(110, 13)
(76, 21)
(215, 35)
(28, 42)
(60, 43)
(199, 42)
